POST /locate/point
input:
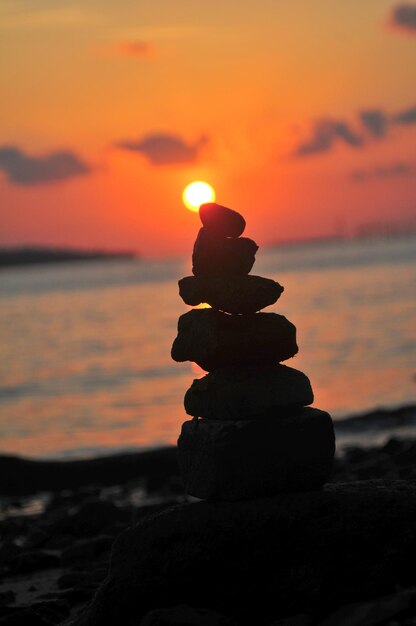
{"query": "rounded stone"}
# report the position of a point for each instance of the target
(213, 339)
(218, 256)
(240, 393)
(221, 220)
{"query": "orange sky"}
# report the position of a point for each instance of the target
(301, 114)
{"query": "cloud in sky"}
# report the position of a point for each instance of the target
(406, 117)
(370, 124)
(165, 149)
(136, 49)
(403, 16)
(375, 122)
(325, 134)
(394, 170)
(25, 170)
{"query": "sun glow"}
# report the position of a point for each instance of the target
(197, 193)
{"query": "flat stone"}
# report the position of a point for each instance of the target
(237, 294)
(261, 560)
(213, 339)
(221, 220)
(218, 256)
(239, 393)
(242, 459)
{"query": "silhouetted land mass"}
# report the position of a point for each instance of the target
(20, 476)
(37, 255)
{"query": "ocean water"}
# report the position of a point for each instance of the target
(85, 364)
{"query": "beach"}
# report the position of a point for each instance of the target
(60, 519)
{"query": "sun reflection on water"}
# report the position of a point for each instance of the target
(85, 370)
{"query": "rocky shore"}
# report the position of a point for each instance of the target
(338, 556)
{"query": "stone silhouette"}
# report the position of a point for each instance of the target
(253, 432)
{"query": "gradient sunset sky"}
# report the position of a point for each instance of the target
(301, 114)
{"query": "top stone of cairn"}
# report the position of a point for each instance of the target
(222, 221)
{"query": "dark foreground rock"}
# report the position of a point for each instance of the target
(241, 294)
(213, 339)
(254, 561)
(67, 523)
(236, 393)
(237, 460)
(218, 256)
(221, 220)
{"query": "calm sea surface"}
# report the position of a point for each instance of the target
(85, 362)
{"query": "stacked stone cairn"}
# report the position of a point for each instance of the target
(252, 433)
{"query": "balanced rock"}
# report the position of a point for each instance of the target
(214, 255)
(242, 459)
(239, 393)
(259, 560)
(213, 339)
(221, 220)
(238, 294)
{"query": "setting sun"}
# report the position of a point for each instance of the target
(197, 193)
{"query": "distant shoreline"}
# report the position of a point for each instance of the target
(41, 255)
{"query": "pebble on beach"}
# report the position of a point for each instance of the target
(70, 588)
